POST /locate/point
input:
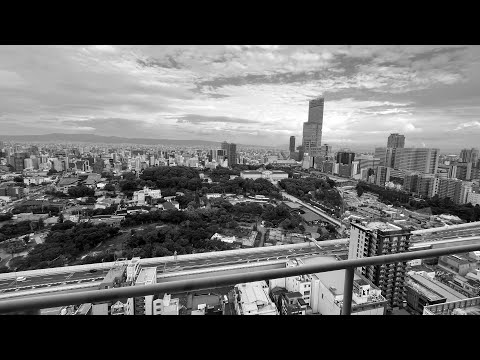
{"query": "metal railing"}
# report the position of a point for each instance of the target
(32, 305)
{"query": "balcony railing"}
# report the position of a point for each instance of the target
(33, 305)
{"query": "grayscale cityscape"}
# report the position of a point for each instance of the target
(239, 180)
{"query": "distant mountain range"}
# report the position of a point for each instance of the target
(91, 138)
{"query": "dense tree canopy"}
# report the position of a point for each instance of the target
(438, 206)
(81, 191)
(313, 189)
(64, 244)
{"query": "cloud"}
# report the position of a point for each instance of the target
(250, 93)
(200, 119)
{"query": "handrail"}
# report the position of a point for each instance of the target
(41, 302)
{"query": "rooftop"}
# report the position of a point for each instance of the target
(437, 287)
(469, 306)
(147, 276)
(383, 226)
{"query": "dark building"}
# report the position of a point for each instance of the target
(396, 141)
(345, 157)
(232, 154)
(292, 144)
(382, 238)
(301, 151)
(344, 170)
(312, 129)
(224, 147)
(98, 166)
(469, 155)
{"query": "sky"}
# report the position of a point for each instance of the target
(248, 94)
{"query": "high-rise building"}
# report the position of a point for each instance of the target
(292, 144)
(224, 147)
(449, 188)
(381, 153)
(423, 160)
(396, 141)
(461, 171)
(232, 154)
(381, 238)
(469, 155)
(345, 157)
(382, 175)
(312, 129)
(410, 182)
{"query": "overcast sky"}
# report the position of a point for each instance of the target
(249, 94)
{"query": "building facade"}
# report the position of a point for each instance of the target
(312, 129)
(423, 160)
(381, 238)
(396, 141)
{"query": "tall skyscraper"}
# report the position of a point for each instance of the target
(312, 129)
(380, 238)
(232, 154)
(292, 144)
(381, 153)
(423, 160)
(224, 147)
(469, 155)
(345, 157)
(396, 141)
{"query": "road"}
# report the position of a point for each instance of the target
(55, 280)
(323, 214)
(447, 234)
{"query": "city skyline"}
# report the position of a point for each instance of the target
(244, 94)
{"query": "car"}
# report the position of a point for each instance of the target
(21, 278)
(92, 271)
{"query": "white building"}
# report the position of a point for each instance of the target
(327, 295)
(301, 283)
(139, 196)
(142, 305)
(473, 198)
(227, 239)
(166, 306)
(253, 299)
(271, 175)
(214, 196)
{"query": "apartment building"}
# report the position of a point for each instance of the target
(381, 238)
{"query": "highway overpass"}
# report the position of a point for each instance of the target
(47, 280)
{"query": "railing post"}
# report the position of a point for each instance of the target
(348, 291)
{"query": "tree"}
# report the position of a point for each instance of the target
(52, 171)
(359, 190)
(18, 179)
(109, 187)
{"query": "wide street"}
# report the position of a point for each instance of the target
(44, 281)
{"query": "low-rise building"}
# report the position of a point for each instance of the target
(458, 263)
(166, 306)
(469, 306)
(253, 299)
(227, 239)
(271, 175)
(292, 303)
